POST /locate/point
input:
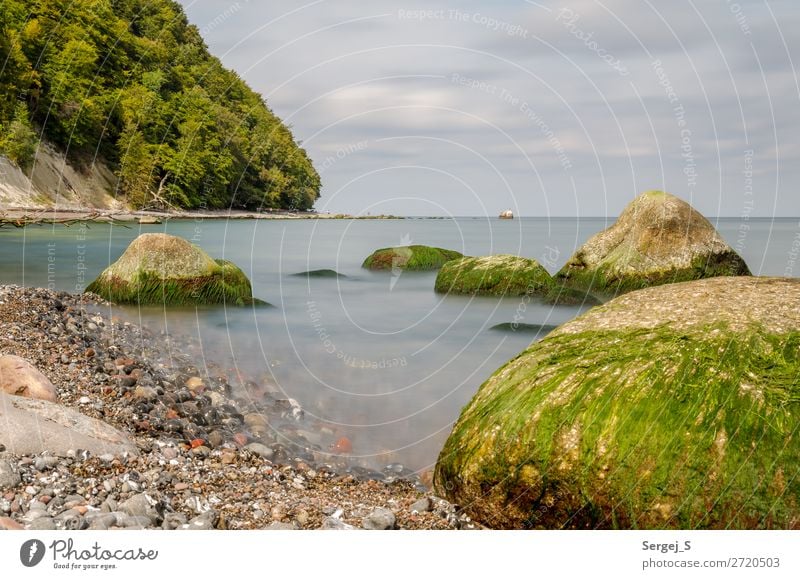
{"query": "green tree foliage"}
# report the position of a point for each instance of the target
(133, 82)
(18, 142)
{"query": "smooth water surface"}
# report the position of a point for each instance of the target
(377, 357)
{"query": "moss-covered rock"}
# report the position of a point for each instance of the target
(410, 257)
(657, 239)
(669, 407)
(163, 269)
(495, 275)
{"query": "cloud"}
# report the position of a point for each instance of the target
(538, 96)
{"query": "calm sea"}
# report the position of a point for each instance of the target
(376, 357)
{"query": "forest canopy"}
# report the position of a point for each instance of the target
(133, 83)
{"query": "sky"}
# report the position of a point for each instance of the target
(546, 108)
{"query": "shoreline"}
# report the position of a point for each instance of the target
(206, 453)
(22, 216)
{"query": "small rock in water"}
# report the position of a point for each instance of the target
(379, 520)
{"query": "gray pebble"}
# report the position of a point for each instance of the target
(278, 526)
(421, 506)
(9, 477)
(140, 505)
(204, 522)
(379, 520)
(43, 463)
(334, 524)
(260, 449)
(43, 524)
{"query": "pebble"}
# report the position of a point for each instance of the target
(276, 526)
(43, 463)
(204, 522)
(8, 524)
(9, 477)
(421, 506)
(43, 524)
(334, 524)
(379, 519)
(139, 505)
(260, 449)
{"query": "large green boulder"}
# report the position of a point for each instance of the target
(506, 275)
(657, 239)
(494, 275)
(410, 257)
(672, 407)
(163, 269)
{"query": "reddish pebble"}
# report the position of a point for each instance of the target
(343, 446)
(240, 438)
(8, 524)
(44, 499)
(171, 414)
(198, 442)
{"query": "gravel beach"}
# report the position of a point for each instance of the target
(186, 452)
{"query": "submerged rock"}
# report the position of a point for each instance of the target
(411, 257)
(539, 329)
(320, 273)
(19, 378)
(669, 407)
(164, 269)
(495, 275)
(657, 239)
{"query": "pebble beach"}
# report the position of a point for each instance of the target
(184, 449)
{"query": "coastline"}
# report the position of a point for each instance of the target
(202, 456)
(21, 216)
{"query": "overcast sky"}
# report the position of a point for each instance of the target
(547, 108)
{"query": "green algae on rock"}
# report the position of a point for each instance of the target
(669, 407)
(657, 239)
(163, 269)
(410, 257)
(494, 275)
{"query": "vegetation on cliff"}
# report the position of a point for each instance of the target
(132, 82)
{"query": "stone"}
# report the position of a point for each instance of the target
(140, 505)
(410, 257)
(43, 463)
(670, 407)
(157, 268)
(495, 275)
(19, 377)
(334, 524)
(145, 393)
(379, 519)
(261, 450)
(277, 526)
(43, 524)
(9, 476)
(421, 506)
(9, 524)
(204, 522)
(657, 239)
(36, 426)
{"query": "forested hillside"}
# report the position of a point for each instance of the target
(132, 82)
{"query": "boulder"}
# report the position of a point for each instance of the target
(670, 407)
(29, 426)
(164, 269)
(410, 257)
(657, 239)
(19, 378)
(495, 275)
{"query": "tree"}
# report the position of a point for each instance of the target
(19, 141)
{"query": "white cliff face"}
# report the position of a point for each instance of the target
(55, 183)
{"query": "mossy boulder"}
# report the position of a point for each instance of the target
(494, 275)
(163, 269)
(672, 407)
(657, 239)
(410, 257)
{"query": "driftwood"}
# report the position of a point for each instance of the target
(40, 218)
